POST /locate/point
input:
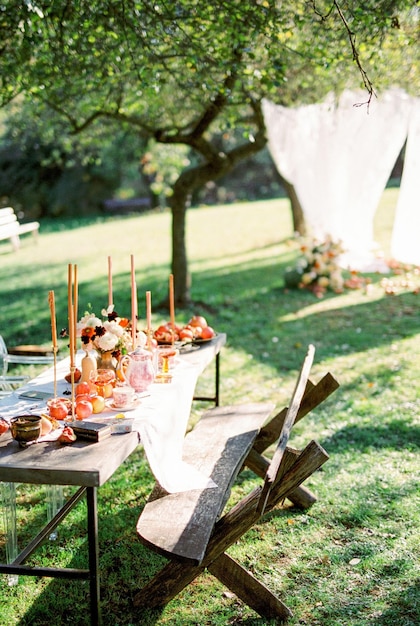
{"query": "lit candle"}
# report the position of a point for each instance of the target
(110, 297)
(51, 301)
(171, 301)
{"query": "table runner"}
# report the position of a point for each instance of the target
(161, 417)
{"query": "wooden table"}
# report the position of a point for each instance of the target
(84, 465)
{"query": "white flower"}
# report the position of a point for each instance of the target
(106, 342)
(114, 328)
(87, 321)
(141, 339)
(106, 312)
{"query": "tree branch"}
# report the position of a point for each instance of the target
(352, 39)
(356, 58)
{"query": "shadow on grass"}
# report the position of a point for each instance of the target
(396, 434)
(240, 297)
(403, 609)
(67, 601)
(124, 563)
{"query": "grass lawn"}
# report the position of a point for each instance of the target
(353, 558)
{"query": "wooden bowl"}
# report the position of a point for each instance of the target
(25, 428)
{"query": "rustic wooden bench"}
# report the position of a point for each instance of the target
(187, 528)
(10, 228)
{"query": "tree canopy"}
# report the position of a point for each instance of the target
(188, 72)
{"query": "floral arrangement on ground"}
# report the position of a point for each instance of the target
(318, 270)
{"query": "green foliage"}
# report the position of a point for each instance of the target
(191, 73)
(44, 171)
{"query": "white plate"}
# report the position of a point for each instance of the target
(121, 409)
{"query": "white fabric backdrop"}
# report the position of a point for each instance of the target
(339, 158)
(405, 242)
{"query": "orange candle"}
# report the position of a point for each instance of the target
(133, 305)
(51, 301)
(75, 307)
(70, 313)
(171, 301)
(148, 311)
(110, 297)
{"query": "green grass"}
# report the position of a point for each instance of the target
(353, 558)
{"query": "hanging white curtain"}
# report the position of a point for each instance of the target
(405, 242)
(339, 157)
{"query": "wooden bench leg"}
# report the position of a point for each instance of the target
(301, 497)
(248, 588)
(167, 583)
(314, 395)
(175, 576)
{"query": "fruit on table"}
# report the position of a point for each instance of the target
(197, 328)
(165, 333)
(83, 409)
(77, 375)
(186, 334)
(4, 426)
(198, 320)
(67, 436)
(82, 389)
(98, 404)
(59, 408)
(207, 333)
(46, 426)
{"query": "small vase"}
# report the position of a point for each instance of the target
(88, 365)
(105, 361)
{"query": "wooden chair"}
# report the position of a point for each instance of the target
(186, 528)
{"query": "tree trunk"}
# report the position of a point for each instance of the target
(299, 224)
(182, 281)
(215, 164)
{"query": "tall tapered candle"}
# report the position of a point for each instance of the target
(149, 319)
(171, 301)
(75, 306)
(148, 311)
(70, 313)
(110, 296)
(133, 305)
(51, 301)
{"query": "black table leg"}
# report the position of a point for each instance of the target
(92, 512)
(216, 397)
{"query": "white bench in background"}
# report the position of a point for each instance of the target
(10, 228)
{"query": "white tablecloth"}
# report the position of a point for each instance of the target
(160, 418)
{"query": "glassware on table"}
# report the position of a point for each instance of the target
(104, 381)
(136, 369)
(164, 361)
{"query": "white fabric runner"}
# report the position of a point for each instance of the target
(161, 418)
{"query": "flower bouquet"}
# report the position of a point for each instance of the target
(110, 335)
(318, 268)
